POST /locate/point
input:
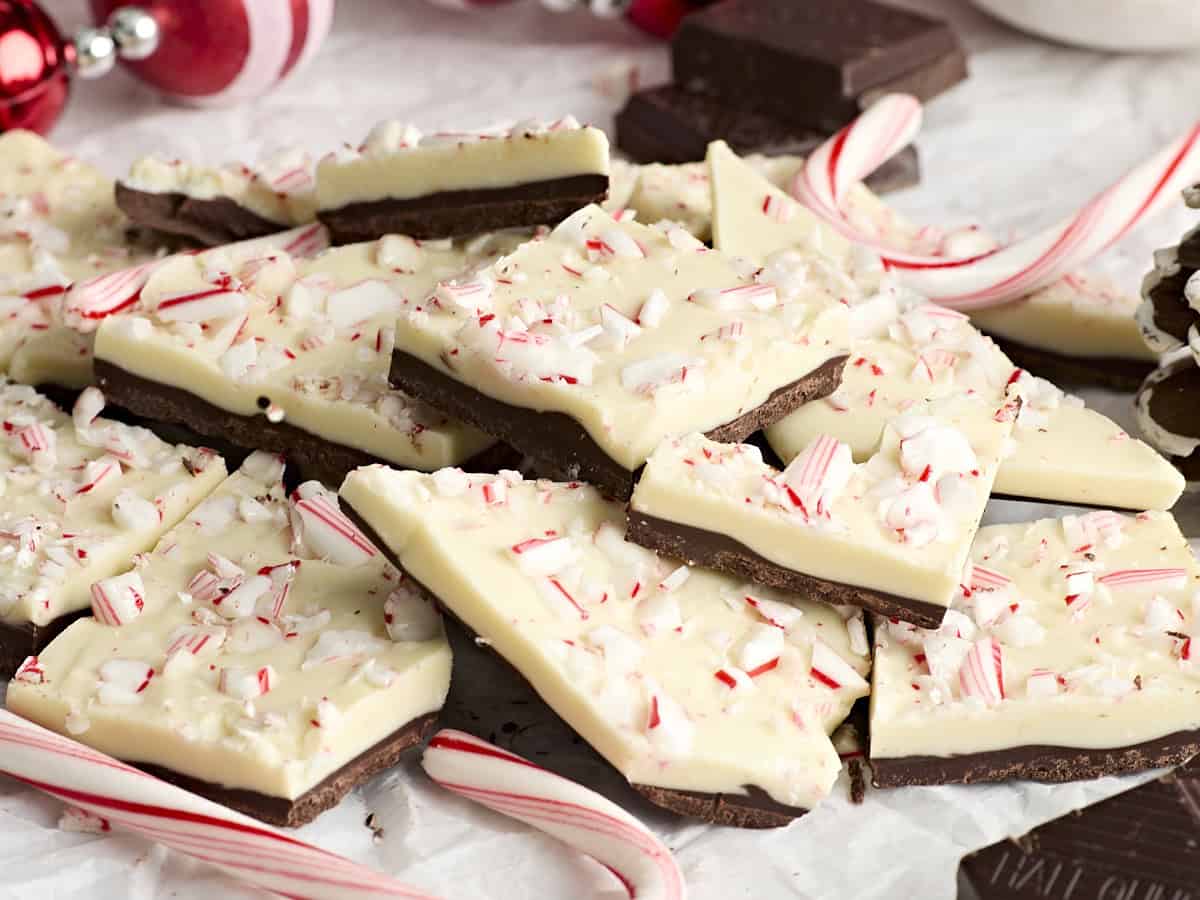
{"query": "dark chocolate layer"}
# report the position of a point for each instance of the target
(698, 546)
(19, 641)
(313, 457)
(1135, 846)
(1035, 763)
(1070, 371)
(455, 213)
(210, 221)
(325, 795)
(671, 125)
(560, 445)
(753, 809)
(810, 62)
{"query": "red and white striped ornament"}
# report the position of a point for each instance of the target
(227, 51)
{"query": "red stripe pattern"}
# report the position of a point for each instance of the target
(132, 800)
(578, 817)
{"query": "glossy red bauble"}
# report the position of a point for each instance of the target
(225, 51)
(33, 68)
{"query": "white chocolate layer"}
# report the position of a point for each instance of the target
(335, 682)
(1077, 316)
(281, 188)
(901, 523)
(636, 333)
(59, 225)
(683, 193)
(1089, 657)
(633, 651)
(313, 338)
(78, 501)
(398, 163)
(753, 218)
(908, 351)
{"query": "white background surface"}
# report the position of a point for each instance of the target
(1037, 130)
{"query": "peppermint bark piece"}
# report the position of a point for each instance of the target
(448, 184)
(1069, 653)
(289, 355)
(1079, 330)
(264, 655)
(890, 534)
(59, 225)
(81, 496)
(584, 349)
(713, 698)
(220, 204)
(906, 350)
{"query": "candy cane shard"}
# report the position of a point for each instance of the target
(996, 276)
(131, 800)
(578, 817)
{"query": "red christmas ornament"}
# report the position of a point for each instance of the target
(220, 52)
(33, 67)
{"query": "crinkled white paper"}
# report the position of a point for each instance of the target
(1037, 130)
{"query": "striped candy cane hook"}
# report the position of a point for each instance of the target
(1008, 273)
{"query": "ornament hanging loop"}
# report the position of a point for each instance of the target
(130, 33)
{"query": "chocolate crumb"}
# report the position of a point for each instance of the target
(372, 822)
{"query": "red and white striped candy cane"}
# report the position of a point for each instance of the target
(131, 799)
(563, 809)
(1007, 273)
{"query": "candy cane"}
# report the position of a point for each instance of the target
(1010, 272)
(573, 814)
(130, 799)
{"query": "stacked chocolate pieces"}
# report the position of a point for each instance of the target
(703, 618)
(1170, 321)
(731, 60)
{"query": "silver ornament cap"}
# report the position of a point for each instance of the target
(130, 33)
(134, 31)
(95, 52)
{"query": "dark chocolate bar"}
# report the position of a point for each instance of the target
(1140, 845)
(810, 62)
(671, 125)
